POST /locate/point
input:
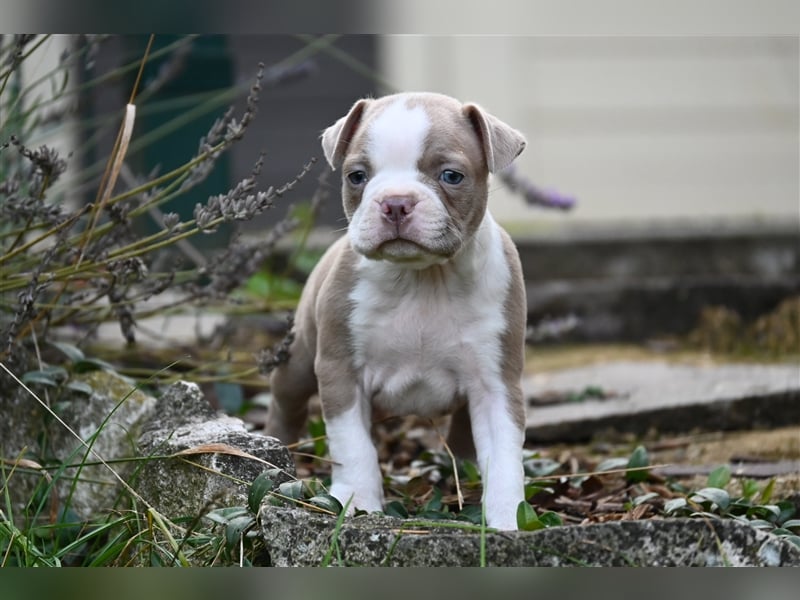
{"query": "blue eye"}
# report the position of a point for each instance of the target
(451, 177)
(357, 177)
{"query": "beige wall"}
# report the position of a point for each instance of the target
(636, 127)
(42, 80)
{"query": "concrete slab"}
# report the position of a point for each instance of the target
(636, 397)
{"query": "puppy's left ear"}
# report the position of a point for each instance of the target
(336, 138)
(501, 143)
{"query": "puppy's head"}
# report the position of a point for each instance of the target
(415, 171)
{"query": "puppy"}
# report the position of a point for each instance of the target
(420, 308)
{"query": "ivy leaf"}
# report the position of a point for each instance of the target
(540, 467)
(260, 487)
(316, 429)
(766, 493)
(527, 519)
(638, 459)
(326, 502)
(550, 519)
(396, 509)
(671, 506)
(719, 497)
(92, 364)
(719, 477)
(73, 353)
(80, 386)
(236, 528)
(41, 377)
(223, 516)
(612, 464)
(473, 475)
(291, 489)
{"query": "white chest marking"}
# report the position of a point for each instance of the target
(421, 336)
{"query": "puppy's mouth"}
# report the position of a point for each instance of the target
(401, 248)
(405, 251)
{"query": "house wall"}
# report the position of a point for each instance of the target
(637, 128)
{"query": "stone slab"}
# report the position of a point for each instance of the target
(640, 396)
(298, 538)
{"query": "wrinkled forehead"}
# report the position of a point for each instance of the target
(401, 131)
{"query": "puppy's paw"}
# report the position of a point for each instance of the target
(357, 499)
(502, 514)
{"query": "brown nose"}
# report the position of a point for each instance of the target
(397, 208)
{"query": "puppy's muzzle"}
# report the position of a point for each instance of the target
(396, 210)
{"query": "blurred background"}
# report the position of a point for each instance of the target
(681, 153)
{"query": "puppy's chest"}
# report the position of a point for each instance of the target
(415, 350)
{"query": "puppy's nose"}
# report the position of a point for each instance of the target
(397, 208)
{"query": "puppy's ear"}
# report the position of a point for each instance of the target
(501, 143)
(336, 138)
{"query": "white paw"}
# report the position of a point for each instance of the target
(357, 499)
(502, 522)
(501, 513)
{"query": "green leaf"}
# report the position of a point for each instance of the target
(540, 467)
(260, 487)
(472, 513)
(671, 506)
(396, 509)
(236, 528)
(291, 489)
(749, 488)
(766, 493)
(316, 429)
(638, 459)
(764, 511)
(223, 516)
(71, 352)
(471, 472)
(534, 488)
(80, 386)
(92, 364)
(644, 498)
(761, 524)
(326, 502)
(40, 377)
(794, 539)
(527, 519)
(612, 464)
(435, 503)
(792, 524)
(550, 519)
(719, 477)
(719, 497)
(787, 510)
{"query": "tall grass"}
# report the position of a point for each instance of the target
(68, 266)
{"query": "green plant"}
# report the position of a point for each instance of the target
(65, 266)
(68, 267)
(752, 506)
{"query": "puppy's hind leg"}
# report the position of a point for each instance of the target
(292, 384)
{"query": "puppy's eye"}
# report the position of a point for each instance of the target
(357, 177)
(451, 177)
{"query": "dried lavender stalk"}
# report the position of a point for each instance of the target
(534, 195)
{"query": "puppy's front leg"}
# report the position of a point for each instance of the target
(356, 475)
(498, 440)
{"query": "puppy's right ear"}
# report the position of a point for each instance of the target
(336, 138)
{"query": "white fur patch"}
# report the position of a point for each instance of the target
(395, 146)
(423, 339)
(397, 136)
(356, 476)
(420, 336)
